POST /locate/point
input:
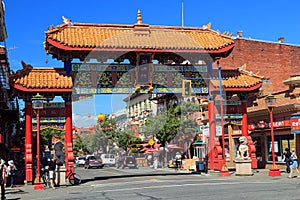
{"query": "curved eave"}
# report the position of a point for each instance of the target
(251, 88)
(240, 89)
(57, 90)
(60, 46)
(292, 81)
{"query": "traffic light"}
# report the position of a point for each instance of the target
(186, 88)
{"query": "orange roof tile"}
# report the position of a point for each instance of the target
(132, 37)
(238, 79)
(41, 78)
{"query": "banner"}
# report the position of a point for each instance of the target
(143, 70)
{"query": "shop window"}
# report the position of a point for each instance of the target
(280, 143)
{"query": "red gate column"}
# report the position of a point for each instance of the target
(212, 134)
(68, 136)
(244, 119)
(28, 141)
(252, 149)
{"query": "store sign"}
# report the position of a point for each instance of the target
(295, 124)
(263, 125)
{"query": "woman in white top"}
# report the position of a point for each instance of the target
(11, 170)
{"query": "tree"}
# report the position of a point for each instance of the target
(78, 146)
(163, 126)
(47, 134)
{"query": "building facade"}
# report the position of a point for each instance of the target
(278, 63)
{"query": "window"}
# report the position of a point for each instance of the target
(280, 143)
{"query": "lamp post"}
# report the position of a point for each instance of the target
(37, 104)
(270, 101)
(224, 171)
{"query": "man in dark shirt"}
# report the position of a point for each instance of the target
(2, 178)
(52, 167)
(287, 158)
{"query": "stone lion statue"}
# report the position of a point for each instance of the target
(242, 153)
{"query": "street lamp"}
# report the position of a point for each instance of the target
(224, 171)
(37, 104)
(270, 101)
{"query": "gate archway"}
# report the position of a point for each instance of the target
(50, 83)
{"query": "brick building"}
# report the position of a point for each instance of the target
(279, 64)
(275, 61)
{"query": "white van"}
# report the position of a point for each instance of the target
(108, 159)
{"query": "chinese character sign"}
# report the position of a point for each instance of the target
(295, 124)
(143, 70)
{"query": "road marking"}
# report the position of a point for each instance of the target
(178, 185)
(127, 182)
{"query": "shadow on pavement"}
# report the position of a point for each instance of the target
(130, 176)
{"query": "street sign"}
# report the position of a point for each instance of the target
(219, 131)
(151, 142)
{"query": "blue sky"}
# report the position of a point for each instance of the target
(27, 21)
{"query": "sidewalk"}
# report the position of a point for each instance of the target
(27, 192)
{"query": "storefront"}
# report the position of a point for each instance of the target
(260, 131)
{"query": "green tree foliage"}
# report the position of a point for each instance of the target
(94, 142)
(47, 134)
(186, 108)
(164, 126)
(78, 147)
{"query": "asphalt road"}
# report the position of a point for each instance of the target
(150, 184)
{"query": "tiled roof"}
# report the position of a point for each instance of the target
(41, 78)
(142, 37)
(238, 79)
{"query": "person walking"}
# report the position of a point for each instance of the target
(11, 172)
(52, 167)
(178, 160)
(287, 159)
(3, 178)
(294, 165)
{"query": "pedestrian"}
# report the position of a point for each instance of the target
(52, 167)
(11, 172)
(294, 165)
(178, 160)
(287, 159)
(3, 178)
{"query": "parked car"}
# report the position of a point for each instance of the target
(108, 159)
(93, 162)
(80, 161)
(128, 161)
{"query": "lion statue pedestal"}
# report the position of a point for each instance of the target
(243, 161)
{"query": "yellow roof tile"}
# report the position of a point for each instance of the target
(237, 79)
(89, 36)
(41, 78)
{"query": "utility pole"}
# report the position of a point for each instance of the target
(182, 13)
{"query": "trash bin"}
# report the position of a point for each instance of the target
(200, 166)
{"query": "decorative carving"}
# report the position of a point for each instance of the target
(242, 153)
